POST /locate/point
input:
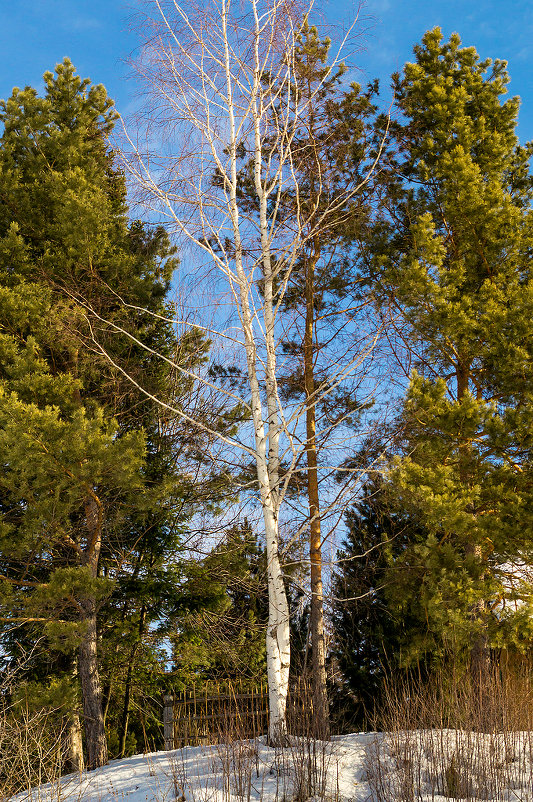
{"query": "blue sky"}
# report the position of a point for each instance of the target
(96, 35)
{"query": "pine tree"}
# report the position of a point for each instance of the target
(452, 255)
(331, 154)
(72, 440)
(66, 477)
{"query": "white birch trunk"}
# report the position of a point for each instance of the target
(266, 440)
(277, 636)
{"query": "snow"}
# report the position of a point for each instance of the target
(362, 767)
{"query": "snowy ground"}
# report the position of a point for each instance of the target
(362, 767)
(245, 771)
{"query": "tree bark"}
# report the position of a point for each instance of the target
(266, 436)
(75, 745)
(74, 741)
(318, 647)
(266, 453)
(91, 691)
(91, 688)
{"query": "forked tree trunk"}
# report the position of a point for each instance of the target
(267, 433)
(278, 631)
(266, 452)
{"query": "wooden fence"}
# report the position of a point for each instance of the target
(214, 713)
(230, 711)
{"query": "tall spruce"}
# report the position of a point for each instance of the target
(452, 254)
(372, 634)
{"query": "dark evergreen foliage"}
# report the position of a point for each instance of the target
(218, 634)
(371, 634)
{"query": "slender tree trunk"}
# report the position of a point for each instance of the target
(278, 631)
(266, 436)
(106, 695)
(124, 720)
(277, 639)
(127, 688)
(75, 745)
(479, 651)
(108, 687)
(91, 689)
(318, 648)
(74, 741)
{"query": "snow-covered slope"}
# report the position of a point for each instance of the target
(419, 766)
(240, 772)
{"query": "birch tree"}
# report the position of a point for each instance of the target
(222, 82)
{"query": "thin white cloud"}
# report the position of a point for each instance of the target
(83, 24)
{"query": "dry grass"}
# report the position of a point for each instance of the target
(32, 747)
(451, 738)
(33, 742)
